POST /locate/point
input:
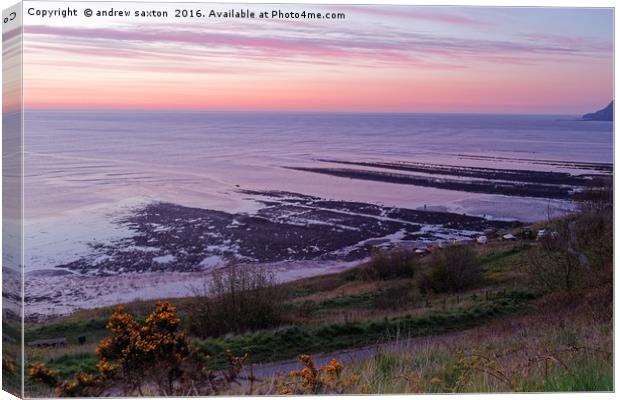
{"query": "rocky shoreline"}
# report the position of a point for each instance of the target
(168, 247)
(288, 227)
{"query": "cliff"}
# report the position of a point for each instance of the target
(606, 114)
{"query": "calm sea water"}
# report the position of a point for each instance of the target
(81, 167)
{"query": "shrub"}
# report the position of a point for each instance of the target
(83, 384)
(312, 380)
(390, 264)
(555, 264)
(237, 299)
(152, 351)
(39, 373)
(453, 269)
(594, 237)
(578, 254)
(152, 354)
(593, 227)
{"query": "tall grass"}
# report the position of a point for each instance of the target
(524, 355)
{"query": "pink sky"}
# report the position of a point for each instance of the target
(403, 59)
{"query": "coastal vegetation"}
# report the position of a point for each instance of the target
(523, 315)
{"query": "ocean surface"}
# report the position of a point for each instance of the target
(84, 169)
(85, 173)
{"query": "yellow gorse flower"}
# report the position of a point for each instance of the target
(322, 380)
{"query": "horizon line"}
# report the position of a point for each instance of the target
(194, 111)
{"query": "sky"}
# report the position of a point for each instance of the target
(379, 59)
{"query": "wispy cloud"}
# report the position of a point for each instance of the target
(380, 58)
(398, 48)
(578, 44)
(427, 14)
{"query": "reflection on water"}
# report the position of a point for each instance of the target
(82, 166)
(86, 171)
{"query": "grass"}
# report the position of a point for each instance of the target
(345, 310)
(11, 353)
(587, 375)
(11, 380)
(68, 364)
(502, 265)
(519, 354)
(286, 343)
(11, 329)
(348, 301)
(497, 259)
(93, 328)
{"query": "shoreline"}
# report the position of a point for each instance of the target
(169, 247)
(288, 227)
(75, 292)
(293, 235)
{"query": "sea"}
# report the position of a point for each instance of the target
(85, 169)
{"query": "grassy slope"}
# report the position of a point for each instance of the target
(514, 334)
(286, 343)
(334, 311)
(353, 314)
(563, 350)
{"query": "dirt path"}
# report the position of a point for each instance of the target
(267, 370)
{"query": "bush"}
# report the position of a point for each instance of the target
(593, 228)
(132, 356)
(554, 265)
(453, 269)
(154, 355)
(594, 237)
(390, 264)
(313, 380)
(237, 299)
(578, 254)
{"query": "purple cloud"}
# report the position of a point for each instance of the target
(418, 14)
(13, 33)
(316, 46)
